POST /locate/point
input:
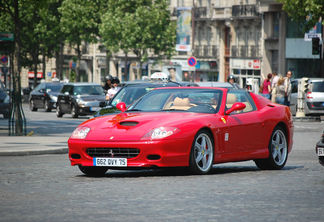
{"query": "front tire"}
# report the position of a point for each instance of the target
(32, 106)
(202, 153)
(74, 111)
(278, 151)
(47, 106)
(93, 171)
(58, 111)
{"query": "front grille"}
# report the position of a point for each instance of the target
(113, 152)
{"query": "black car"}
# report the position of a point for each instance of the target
(134, 90)
(320, 150)
(80, 99)
(4, 101)
(44, 96)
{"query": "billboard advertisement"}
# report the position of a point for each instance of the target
(184, 29)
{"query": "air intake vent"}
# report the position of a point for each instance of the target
(128, 123)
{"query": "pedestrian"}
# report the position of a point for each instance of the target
(280, 91)
(266, 87)
(274, 82)
(287, 88)
(114, 89)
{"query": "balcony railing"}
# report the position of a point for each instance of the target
(210, 51)
(245, 51)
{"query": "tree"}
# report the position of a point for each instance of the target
(79, 23)
(138, 26)
(307, 12)
(304, 10)
(14, 9)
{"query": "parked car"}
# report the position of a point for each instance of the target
(133, 90)
(192, 127)
(314, 99)
(4, 101)
(44, 96)
(320, 150)
(79, 99)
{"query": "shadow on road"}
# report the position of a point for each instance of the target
(179, 171)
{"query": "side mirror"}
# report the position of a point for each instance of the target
(121, 106)
(236, 107)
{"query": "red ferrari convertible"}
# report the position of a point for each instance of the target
(187, 127)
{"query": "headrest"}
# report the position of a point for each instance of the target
(231, 99)
(181, 102)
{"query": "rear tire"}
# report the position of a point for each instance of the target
(278, 151)
(93, 171)
(202, 153)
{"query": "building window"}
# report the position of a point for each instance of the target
(276, 18)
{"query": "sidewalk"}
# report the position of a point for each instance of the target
(32, 145)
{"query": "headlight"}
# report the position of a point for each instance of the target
(80, 102)
(80, 132)
(160, 133)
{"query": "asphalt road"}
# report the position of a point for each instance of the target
(46, 188)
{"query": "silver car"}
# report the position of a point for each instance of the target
(314, 98)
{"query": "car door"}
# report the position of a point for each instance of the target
(64, 98)
(245, 130)
(37, 95)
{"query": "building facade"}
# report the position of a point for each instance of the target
(245, 38)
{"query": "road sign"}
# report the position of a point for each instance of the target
(4, 59)
(6, 36)
(192, 61)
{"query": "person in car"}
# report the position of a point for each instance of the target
(114, 89)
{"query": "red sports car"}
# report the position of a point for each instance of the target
(187, 127)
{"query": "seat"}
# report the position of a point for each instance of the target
(230, 100)
(181, 104)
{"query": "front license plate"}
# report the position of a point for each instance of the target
(114, 162)
(320, 151)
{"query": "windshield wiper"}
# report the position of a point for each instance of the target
(133, 110)
(173, 110)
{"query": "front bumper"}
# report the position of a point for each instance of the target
(171, 153)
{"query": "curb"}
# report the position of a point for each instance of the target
(33, 152)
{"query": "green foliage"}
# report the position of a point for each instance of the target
(307, 12)
(140, 26)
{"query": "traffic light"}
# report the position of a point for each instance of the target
(315, 46)
(304, 84)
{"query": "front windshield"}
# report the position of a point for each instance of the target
(188, 100)
(54, 87)
(88, 90)
(130, 94)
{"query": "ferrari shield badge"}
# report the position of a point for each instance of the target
(224, 120)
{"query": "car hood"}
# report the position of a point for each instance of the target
(133, 126)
